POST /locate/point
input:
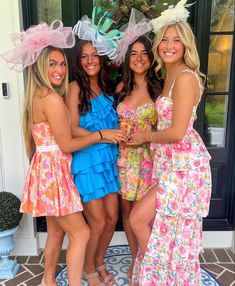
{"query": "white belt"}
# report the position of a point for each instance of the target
(47, 148)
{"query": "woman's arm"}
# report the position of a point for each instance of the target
(57, 117)
(72, 102)
(186, 94)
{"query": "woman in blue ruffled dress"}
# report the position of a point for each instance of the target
(94, 168)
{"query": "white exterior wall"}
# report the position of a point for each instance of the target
(13, 162)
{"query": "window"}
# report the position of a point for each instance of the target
(218, 72)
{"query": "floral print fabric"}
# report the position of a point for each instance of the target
(182, 180)
(49, 189)
(171, 257)
(135, 163)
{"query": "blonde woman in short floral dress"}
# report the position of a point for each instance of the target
(136, 112)
(168, 220)
(49, 189)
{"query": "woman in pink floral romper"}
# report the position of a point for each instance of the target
(168, 220)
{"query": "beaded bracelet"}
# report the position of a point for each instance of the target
(101, 136)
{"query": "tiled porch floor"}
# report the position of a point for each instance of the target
(220, 262)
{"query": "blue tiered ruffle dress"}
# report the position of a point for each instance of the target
(95, 167)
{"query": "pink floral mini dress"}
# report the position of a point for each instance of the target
(49, 189)
(135, 163)
(182, 179)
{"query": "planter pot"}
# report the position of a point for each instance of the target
(8, 267)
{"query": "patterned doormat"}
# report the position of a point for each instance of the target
(118, 259)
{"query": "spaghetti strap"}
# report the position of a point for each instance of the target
(183, 71)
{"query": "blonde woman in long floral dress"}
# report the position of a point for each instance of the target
(180, 195)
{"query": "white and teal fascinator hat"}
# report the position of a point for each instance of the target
(100, 34)
(171, 16)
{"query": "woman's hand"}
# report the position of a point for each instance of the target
(119, 87)
(114, 135)
(138, 138)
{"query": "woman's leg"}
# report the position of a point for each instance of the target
(78, 234)
(141, 218)
(110, 203)
(55, 236)
(131, 238)
(95, 214)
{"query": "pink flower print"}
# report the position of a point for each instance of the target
(174, 206)
(186, 146)
(158, 204)
(191, 257)
(156, 261)
(201, 182)
(177, 147)
(149, 284)
(186, 210)
(48, 175)
(168, 152)
(182, 251)
(202, 169)
(196, 163)
(156, 278)
(45, 165)
(202, 150)
(172, 245)
(180, 174)
(164, 166)
(139, 150)
(164, 229)
(170, 278)
(147, 164)
(160, 190)
(167, 113)
(148, 269)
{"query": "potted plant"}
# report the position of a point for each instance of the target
(9, 223)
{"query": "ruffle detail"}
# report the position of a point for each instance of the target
(95, 167)
(95, 171)
(102, 115)
(187, 154)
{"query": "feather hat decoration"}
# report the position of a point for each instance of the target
(172, 15)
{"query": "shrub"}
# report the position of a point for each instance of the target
(9, 211)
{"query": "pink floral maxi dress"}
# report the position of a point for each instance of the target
(182, 179)
(135, 163)
(49, 189)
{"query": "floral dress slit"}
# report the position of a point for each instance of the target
(182, 180)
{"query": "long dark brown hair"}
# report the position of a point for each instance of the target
(154, 84)
(80, 76)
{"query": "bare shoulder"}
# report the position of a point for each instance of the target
(187, 81)
(74, 87)
(54, 98)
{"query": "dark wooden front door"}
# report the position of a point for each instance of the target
(213, 24)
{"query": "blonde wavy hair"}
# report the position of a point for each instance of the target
(37, 78)
(191, 57)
